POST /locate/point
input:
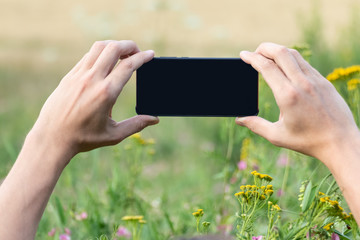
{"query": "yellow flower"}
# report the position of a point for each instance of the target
(151, 141)
(345, 215)
(132, 218)
(269, 187)
(245, 149)
(328, 226)
(339, 73)
(239, 194)
(198, 213)
(262, 197)
(269, 192)
(136, 135)
(142, 221)
(334, 203)
(352, 84)
(321, 193)
(276, 207)
(268, 178)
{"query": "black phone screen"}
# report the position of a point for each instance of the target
(197, 87)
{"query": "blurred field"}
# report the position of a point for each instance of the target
(41, 40)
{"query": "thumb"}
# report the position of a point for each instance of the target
(259, 126)
(133, 125)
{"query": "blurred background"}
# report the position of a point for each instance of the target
(41, 40)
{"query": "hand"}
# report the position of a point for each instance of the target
(77, 115)
(314, 118)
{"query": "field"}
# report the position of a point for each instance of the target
(183, 164)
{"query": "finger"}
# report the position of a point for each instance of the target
(123, 71)
(133, 125)
(94, 53)
(260, 126)
(111, 55)
(77, 66)
(272, 74)
(304, 65)
(282, 57)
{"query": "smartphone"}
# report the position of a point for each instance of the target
(171, 86)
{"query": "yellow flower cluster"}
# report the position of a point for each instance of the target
(138, 218)
(352, 84)
(274, 207)
(333, 207)
(328, 226)
(339, 73)
(262, 176)
(253, 192)
(245, 149)
(198, 213)
(140, 140)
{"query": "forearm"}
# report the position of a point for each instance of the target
(343, 160)
(28, 186)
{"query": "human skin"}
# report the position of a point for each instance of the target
(314, 119)
(75, 118)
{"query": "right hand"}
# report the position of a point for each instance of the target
(313, 116)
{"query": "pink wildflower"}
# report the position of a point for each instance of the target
(233, 180)
(123, 232)
(283, 160)
(67, 231)
(64, 237)
(52, 232)
(334, 236)
(257, 238)
(81, 216)
(224, 229)
(280, 192)
(242, 165)
(255, 167)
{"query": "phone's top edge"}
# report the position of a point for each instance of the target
(197, 58)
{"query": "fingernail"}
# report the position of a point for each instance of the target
(150, 52)
(239, 120)
(154, 119)
(244, 54)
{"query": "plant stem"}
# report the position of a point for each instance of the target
(286, 175)
(230, 139)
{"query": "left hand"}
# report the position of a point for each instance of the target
(77, 115)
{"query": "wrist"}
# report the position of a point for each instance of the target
(342, 157)
(29, 184)
(57, 151)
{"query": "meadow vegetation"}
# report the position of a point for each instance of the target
(197, 176)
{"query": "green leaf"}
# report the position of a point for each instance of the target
(60, 211)
(342, 236)
(170, 223)
(295, 231)
(307, 197)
